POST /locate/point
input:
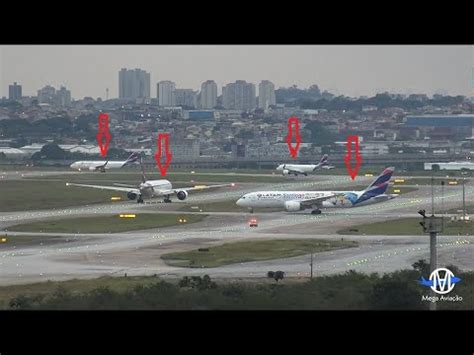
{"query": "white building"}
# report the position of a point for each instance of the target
(166, 93)
(208, 94)
(47, 95)
(185, 97)
(134, 84)
(239, 96)
(13, 153)
(266, 94)
(63, 96)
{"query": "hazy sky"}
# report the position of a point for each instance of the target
(348, 70)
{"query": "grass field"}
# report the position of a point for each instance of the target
(106, 223)
(239, 252)
(406, 226)
(427, 181)
(469, 209)
(120, 284)
(19, 240)
(25, 195)
(131, 177)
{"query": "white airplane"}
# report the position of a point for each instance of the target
(151, 189)
(304, 169)
(101, 165)
(294, 201)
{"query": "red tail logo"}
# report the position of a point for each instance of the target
(103, 135)
(358, 158)
(293, 130)
(163, 138)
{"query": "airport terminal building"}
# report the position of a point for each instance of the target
(451, 166)
(442, 126)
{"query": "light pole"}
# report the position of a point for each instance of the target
(432, 225)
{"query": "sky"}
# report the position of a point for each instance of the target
(352, 70)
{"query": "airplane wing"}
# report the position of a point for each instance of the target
(112, 188)
(317, 201)
(292, 171)
(194, 188)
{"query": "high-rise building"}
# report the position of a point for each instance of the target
(134, 84)
(185, 97)
(266, 94)
(208, 94)
(239, 96)
(63, 96)
(47, 95)
(166, 93)
(14, 91)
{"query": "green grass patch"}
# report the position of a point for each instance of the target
(34, 195)
(75, 286)
(427, 181)
(107, 223)
(134, 177)
(7, 240)
(239, 252)
(406, 226)
(469, 209)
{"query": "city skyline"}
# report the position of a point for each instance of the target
(345, 70)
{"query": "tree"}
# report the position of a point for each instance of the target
(435, 167)
(3, 156)
(279, 275)
(276, 275)
(184, 282)
(320, 135)
(50, 151)
(422, 267)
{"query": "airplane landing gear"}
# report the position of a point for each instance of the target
(305, 174)
(139, 199)
(167, 199)
(251, 210)
(316, 212)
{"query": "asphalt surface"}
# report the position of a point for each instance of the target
(138, 253)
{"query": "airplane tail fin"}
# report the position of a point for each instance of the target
(380, 184)
(133, 158)
(324, 160)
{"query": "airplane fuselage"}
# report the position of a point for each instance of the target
(297, 168)
(275, 199)
(93, 165)
(155, 188)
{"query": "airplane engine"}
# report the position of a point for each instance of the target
(182, 195)
(92, 168)
(132, 196)
(292, 206)
(286, 172)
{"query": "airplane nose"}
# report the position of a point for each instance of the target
(239, 202)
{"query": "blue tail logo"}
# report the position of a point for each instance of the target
(133, 158)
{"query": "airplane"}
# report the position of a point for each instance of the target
(101, 165)
(294, 201)
(151, 189)
(304, 169)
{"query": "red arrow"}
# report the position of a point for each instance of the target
(103, 133)
(347, 159)
(293, 122)
(166, 138)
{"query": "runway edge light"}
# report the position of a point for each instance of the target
(128, 215)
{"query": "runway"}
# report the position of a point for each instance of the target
(138, 253)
